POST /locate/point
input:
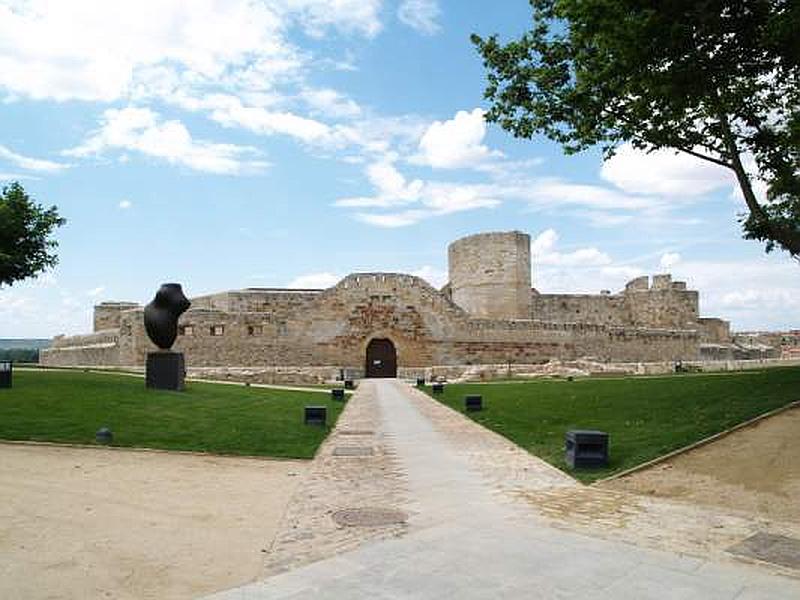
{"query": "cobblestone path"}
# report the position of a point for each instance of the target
(487, 519)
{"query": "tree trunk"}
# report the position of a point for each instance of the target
(788, 239)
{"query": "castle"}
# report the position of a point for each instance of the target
(392, 324)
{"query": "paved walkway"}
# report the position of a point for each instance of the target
(476, 529)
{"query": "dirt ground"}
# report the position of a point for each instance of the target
(755, 470)
(86, 523)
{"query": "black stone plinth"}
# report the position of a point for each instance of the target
(6, 373)
(437, 388)
(348, 384)
(165, 371)
(586, 449)
(420, 381)
(315, 415)
(473, 402)
(337, 393)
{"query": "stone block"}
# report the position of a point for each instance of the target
(165, 371)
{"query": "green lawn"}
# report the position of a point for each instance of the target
(63, 406)
(644, 417)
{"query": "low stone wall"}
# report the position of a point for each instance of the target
(90, 355)
(270, 375)
(455, 373)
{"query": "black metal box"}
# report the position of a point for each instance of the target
(437, 388)
(165, 371)
(473, 402)
(337, 393)
(586, 448)
(316, 415)
(420, 381)
(348, 384)
(6, 373)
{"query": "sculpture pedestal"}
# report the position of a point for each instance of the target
(165, 371)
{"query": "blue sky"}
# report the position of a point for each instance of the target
(241, 143)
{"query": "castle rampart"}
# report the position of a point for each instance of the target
(487, 314)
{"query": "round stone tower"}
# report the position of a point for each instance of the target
(490, 274)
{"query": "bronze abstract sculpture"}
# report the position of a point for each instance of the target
(165, 370)
(161, 315)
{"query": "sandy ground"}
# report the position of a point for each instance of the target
(86, 523)
(756, 470)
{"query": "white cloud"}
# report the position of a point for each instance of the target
(42, 307)
(663, 172)
(553, 192)
(420, 15)
(93, 293)
(543, 252)
(331, 103)
(125, 204)
(314, 281)
(140, 129)
(99, 50)
(621, 274)
(456, 143)
(759, 293)
(15, 176)
(669, 260)
(315, 16)
(436, 277)
(31, 164)
(420, 199)
(229, 111)
(397, 219)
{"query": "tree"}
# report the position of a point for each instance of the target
(716, 79)
(25, 228)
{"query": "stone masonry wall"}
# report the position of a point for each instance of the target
(666, 304)
(107, 314)
(490, 274)
(333, 328)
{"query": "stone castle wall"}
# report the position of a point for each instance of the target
(107, 314)
(487, 314)
(490, 274)
(665, 304)
(333, 327)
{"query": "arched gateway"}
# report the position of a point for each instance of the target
(381, 358)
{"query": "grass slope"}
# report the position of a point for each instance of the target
(61, 406)
(644, 417)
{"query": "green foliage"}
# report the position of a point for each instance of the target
(26, 355)
(69, 406)
(645, 417)
(25, 229)
(717, 79)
